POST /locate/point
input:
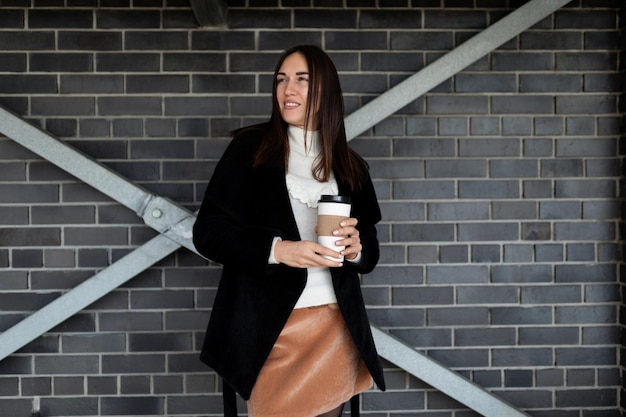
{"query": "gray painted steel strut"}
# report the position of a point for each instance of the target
(448, 65)
(175, 222)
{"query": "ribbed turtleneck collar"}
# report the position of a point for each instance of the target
(306, 146)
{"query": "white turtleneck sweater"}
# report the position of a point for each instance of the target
(304, 194)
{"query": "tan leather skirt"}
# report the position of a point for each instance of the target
(314, 367)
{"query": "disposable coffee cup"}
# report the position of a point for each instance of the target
(331, 210)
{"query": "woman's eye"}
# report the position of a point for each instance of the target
(281, 80)
(303, 80)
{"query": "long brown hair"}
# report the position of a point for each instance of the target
(324, 94)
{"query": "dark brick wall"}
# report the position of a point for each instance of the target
(499, 191)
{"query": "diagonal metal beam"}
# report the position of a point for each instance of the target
(174, 222)
(160, 213)
(442, 378)
(81, 296)
(448, 65)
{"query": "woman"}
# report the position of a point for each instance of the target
(288, 329)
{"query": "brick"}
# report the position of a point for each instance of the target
(67, 364)
(24, 84)
(518, 253)
(249, 18)
(65, 386)
(493, 189)
(222, 40)
(390, 19)
(12, 280)
(70, 62)
(384, 61)
(135, 385)
(551, 40)
(398, 317)
(592, 273)
(580, 252)
(219, 83)
(168, 342)
(549, 253)
(12, 19)
(89, 40)
(453, 126)
(451, 168)
(111, 106)
(135, 405)
(522, 104)
(36, 386)
(587, 104)
(522, 357)
(128, 62)
(13, 62)
(15, 406)
(165, 149)
(457, 211)
(423, 148)
(368, 40)
(180, 106)
(127, 19)
(450, 274)
(484, 337)
(471, 83)
(284, 40)
(422, 296)
(601, 40)
(447, 19)
(132, 364)
(402, 275)
(376, 401)
(491, 295)
(534, 83)
(30, 236)
(580, 126)
(489, 147)
(396, 169)
(169, 384)
(62, 215)
(25, 40)
(147, 84)
(27, 258)
(461, 358)
(44, 19)
(600, 210)
(551, 295)
(453, 254)
(360, 83)
(522, 61)
(59, 258)
(507, 210)
(485, 253)
(431, 189)
(420, 41)
(586, 147)
(130, 321)
(596, 19)
(584, 231)
(376, 296)
(545, 126)
(423, 232)
(193, 404)
(484, 126)
(194, 62)
(159, 41)
(518, 378)
(321, 18)
(457, 104)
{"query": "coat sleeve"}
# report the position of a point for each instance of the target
(365, 208)
(221, 232)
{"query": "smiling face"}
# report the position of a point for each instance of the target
(292, 90)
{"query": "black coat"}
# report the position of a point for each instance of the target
(244, 208)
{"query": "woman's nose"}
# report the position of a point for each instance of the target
(290, 88)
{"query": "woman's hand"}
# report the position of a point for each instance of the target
(352, 241)
(304, 254)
